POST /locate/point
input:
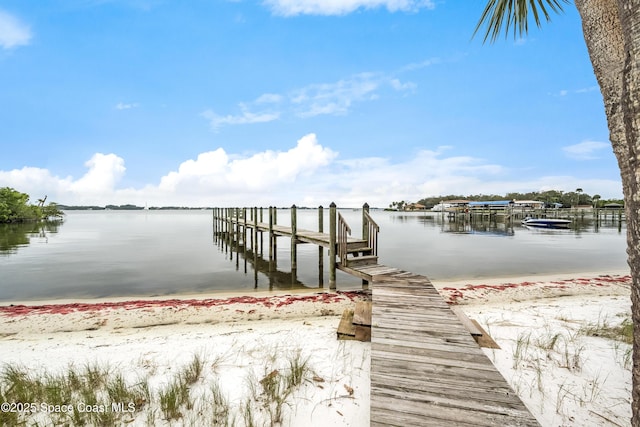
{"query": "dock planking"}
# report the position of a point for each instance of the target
(426, 369)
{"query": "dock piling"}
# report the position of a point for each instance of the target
(332, 246)
(320, 248)
(294, 247)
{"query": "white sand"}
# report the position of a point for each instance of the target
(579, 381)
(156, 342)
(563, 375)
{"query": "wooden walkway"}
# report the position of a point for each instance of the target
(426, 369)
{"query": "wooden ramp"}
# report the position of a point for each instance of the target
(426, 369)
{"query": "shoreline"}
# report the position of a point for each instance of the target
(262, 293)
(122, 312)
(250, 337)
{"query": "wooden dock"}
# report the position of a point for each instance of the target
(236, 225)
(426, 368)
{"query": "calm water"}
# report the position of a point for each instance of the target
(143, 253)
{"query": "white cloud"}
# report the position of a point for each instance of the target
(342, 7)
(308, 173)
(588, 89)
(269, 98)
(245, 117)
(585, 150)
(125, 106)
(422, 64)
(262, 172)
(402, 87)
(565, 92)
(316, 99)
(334, 98)
(105, 170)
(13, 33)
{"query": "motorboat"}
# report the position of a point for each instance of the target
(546, 222)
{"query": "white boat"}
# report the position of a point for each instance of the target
(441, 207)
(546, 222)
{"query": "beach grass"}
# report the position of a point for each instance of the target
(191, 396)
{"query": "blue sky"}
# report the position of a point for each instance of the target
(275, 102)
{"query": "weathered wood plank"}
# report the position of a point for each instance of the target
(346, 328)
(416, 410)
(426, 368)
(484, 340)
(362, 313)
(363, 333)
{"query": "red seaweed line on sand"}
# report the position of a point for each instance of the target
(277, 301)
(456, 294)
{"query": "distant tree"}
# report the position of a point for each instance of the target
(595, 199)
(15, 207)
(579, 192)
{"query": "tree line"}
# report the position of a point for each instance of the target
(566, 199)
(15, 207)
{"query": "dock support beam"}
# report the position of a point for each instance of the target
(365, 233)
(365, 223)
(332, 245)
(294, 247)
(320, 248)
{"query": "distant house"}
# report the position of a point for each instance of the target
(414, 207)
(450, 206)
(491, 204)
(535, 204)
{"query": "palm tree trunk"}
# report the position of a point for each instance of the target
(630, 104)
(612, 33)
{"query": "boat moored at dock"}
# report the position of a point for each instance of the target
(546, 222)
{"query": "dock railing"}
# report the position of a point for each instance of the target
(343, 232)
(245, 230)
(370, 230)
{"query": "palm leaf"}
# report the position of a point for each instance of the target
(515, 15)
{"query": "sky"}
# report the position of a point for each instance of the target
(281, 102)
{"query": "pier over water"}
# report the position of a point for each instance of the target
(426, 369)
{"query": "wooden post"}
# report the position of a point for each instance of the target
(332, 245)
(365, 222)
(254, 239)
(320, 248)
(275, 240)
(244, 228)
(271, 237)
(365, 232)
(261, 236)
(237, 225)
(294, 247)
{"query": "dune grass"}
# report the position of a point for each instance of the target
(100, 395)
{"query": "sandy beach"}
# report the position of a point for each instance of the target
(554, 352)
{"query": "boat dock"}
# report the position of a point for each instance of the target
(426, 368)
(350, 252)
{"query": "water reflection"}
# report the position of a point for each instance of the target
(502, 227)
(14, 236)
(254, 259)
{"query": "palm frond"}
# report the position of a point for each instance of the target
(514, 15)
